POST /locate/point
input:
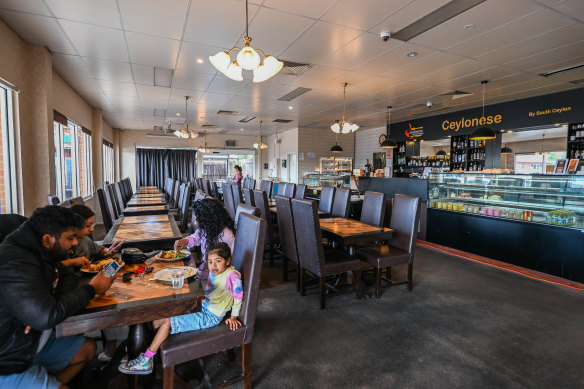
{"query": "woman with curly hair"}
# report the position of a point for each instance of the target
(215, 225)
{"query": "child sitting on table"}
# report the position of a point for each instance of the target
(223, 291)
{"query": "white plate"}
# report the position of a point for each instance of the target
(164, 274)
(157, 257)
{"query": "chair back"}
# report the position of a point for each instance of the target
(244, 208)
(207, 185)
(261, 201)
(248, 196)
(214, 190)
(118, 189)
(237, 196)
(341, 203)
(228, 199)
(184, 211)
(327, 195)
(248, 253)
(176, 194)
(125, 190)
(199, 195)
(53, 200)
(405, 218)
(373, 210)
(77, 200)
(282, 186)
(251, 183)
(129, 186)
(168, 187)
(286, 227)
(106, 214)
(300, 191)
(266, 186)
(290, 190)
(308, 235)
(113, 200)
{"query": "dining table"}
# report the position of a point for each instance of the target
(147, 196)
(149, 189)
(146, 210)
(145, 232)
(142, 202)
(353, 232)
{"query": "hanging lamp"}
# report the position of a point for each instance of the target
(441, 153)
(336, 148)
(260, 145)
(344, 125)
(204, 148)
(388, 143)
(483, 133)
(247, 58)
(186, 132)
(506, 150)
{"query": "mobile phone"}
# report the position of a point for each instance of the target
(112, 269)
(114, 246)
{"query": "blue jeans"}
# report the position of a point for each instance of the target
(194, 321)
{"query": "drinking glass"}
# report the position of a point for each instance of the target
(178, 279)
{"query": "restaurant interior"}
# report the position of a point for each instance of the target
(344, 139)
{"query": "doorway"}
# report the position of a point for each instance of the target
(292, 168)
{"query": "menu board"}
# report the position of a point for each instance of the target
(561, 166)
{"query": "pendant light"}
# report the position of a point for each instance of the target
(483, 133)
(247, 58)
(260, 145)
(506, 150)
(336, 148)
(441, 153)
(204, 148)
(186, 132)
(388, 143)
(344, 126)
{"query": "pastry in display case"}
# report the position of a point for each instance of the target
(549, 199)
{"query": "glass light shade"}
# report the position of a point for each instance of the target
(234, 71)
(248, 58)
(194, 134)
(272, 65)
(221, 61)
(354, 127)
(336, 127)
(256, 145)
(346, 127)
(177, 133)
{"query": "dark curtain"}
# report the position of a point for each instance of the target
(153, 166)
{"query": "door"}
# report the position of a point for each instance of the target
(292, 168)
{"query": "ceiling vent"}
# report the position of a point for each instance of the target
(247, 119)
(209, 126)
(229, 143)
(294, 94)
(224, 112)
(572, 74)
(455, 94)
(294, 68)
(281, 121)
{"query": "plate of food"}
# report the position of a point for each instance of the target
(164, 275)
(172, 255)
(96, 267)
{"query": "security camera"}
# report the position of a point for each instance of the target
(429, 104)
(385, 35)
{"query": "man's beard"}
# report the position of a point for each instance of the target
(57, 252)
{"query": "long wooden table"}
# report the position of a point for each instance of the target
(353, 232)
(147, 210)
(149, 189)
(148, 232)
(147, 196)
(142, 202)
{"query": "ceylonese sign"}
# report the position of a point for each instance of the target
(457, 125)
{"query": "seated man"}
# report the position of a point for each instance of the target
(38, 292)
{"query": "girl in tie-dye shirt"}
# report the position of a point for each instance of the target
(223, 292)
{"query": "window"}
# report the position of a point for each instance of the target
(73, 160)
(8, 199)
(108, 161)
(220, 167)
(532, 163)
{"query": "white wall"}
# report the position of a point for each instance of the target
(274, 152)
(367, 143)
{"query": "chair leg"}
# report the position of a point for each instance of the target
(285, 268)
(168, 380)
(322, 292)
(358, 286)
(246, 365)
(298, 270)
(302, 284)
(271, 254)
(410, 276)
(378, 282)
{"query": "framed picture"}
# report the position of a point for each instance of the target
(561, 165)
(573, 166)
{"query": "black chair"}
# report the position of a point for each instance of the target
(237, 196)
(77, 200)
(300, 191)
(327, 195)
(53, 200)
(287, 237)
(110, 196)
(10, 222)
(405, 218)
(290, 190)
(214, 190)
(261, 201)
(373, 210)
(312, 255)
(248, 196)
(244, 208)
(267, 186)
(185, 210)
(228, 199)
(118, 188)
(282, 186)
(187, 346)
(106, 214)
(341, 203)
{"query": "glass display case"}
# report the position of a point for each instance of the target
(334, 165)
(548, 199)
(315, 180)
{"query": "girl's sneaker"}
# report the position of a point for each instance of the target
(141, 365)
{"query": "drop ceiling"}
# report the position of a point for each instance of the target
(108, 50)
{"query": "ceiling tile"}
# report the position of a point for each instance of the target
(190, 53)
(214, 99)
(118, 88)
(145, 16)
(314, 77)
(143, 74)
(151, 50)
(109, 70)
(394, 59)
(571, 8)
(29, 6)
(191, 81)
(563, 53)
(310, 8)
(70, 64)
(414, 10)
(362, 14)
(426, 65)
(103, 12)
(38, 30)
(153, 92)
(222, 84)
(110, 45)
(83, 85)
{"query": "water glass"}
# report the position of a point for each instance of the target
(178, 279)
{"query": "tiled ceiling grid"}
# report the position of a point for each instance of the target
(108, 51)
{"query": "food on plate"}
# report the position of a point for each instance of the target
(165, 274)
(172, 254)
(99, 265)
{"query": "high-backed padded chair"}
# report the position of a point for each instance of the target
(405, 218)
(207, 188)
(176, 194)
(251, 183)
(228, 199)
(214, 190)
(200, 195)
(327, 195)
(237, 196)
(311, 253)
(118, 188)
(106, 214)
(373, 210)
(244, 208)
(129, 186)
(186, 346)
(248, 196)
(290, 190)
(261, 201)
(52, 200)
(300, 191)
(77, 200)
(110, 195)
(341, 203)
(185, 210)
(10, 222)
(282, 186)
(267, 186)
(287, 237)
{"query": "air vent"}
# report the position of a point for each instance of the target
(157, 128)
(294, 94)
(572, 74)
(222, 132)
(456, 94)
(294, 68)
(160, 112)
(281, 121)
(229, 143)
(224, 112)
(247, 119)
(209, 126)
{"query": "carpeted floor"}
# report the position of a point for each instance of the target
(464, 325)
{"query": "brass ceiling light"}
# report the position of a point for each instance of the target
(388, 143)
(344, 126)
(186, 132)
(204, 148)
(259, 144)
(483, 133)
